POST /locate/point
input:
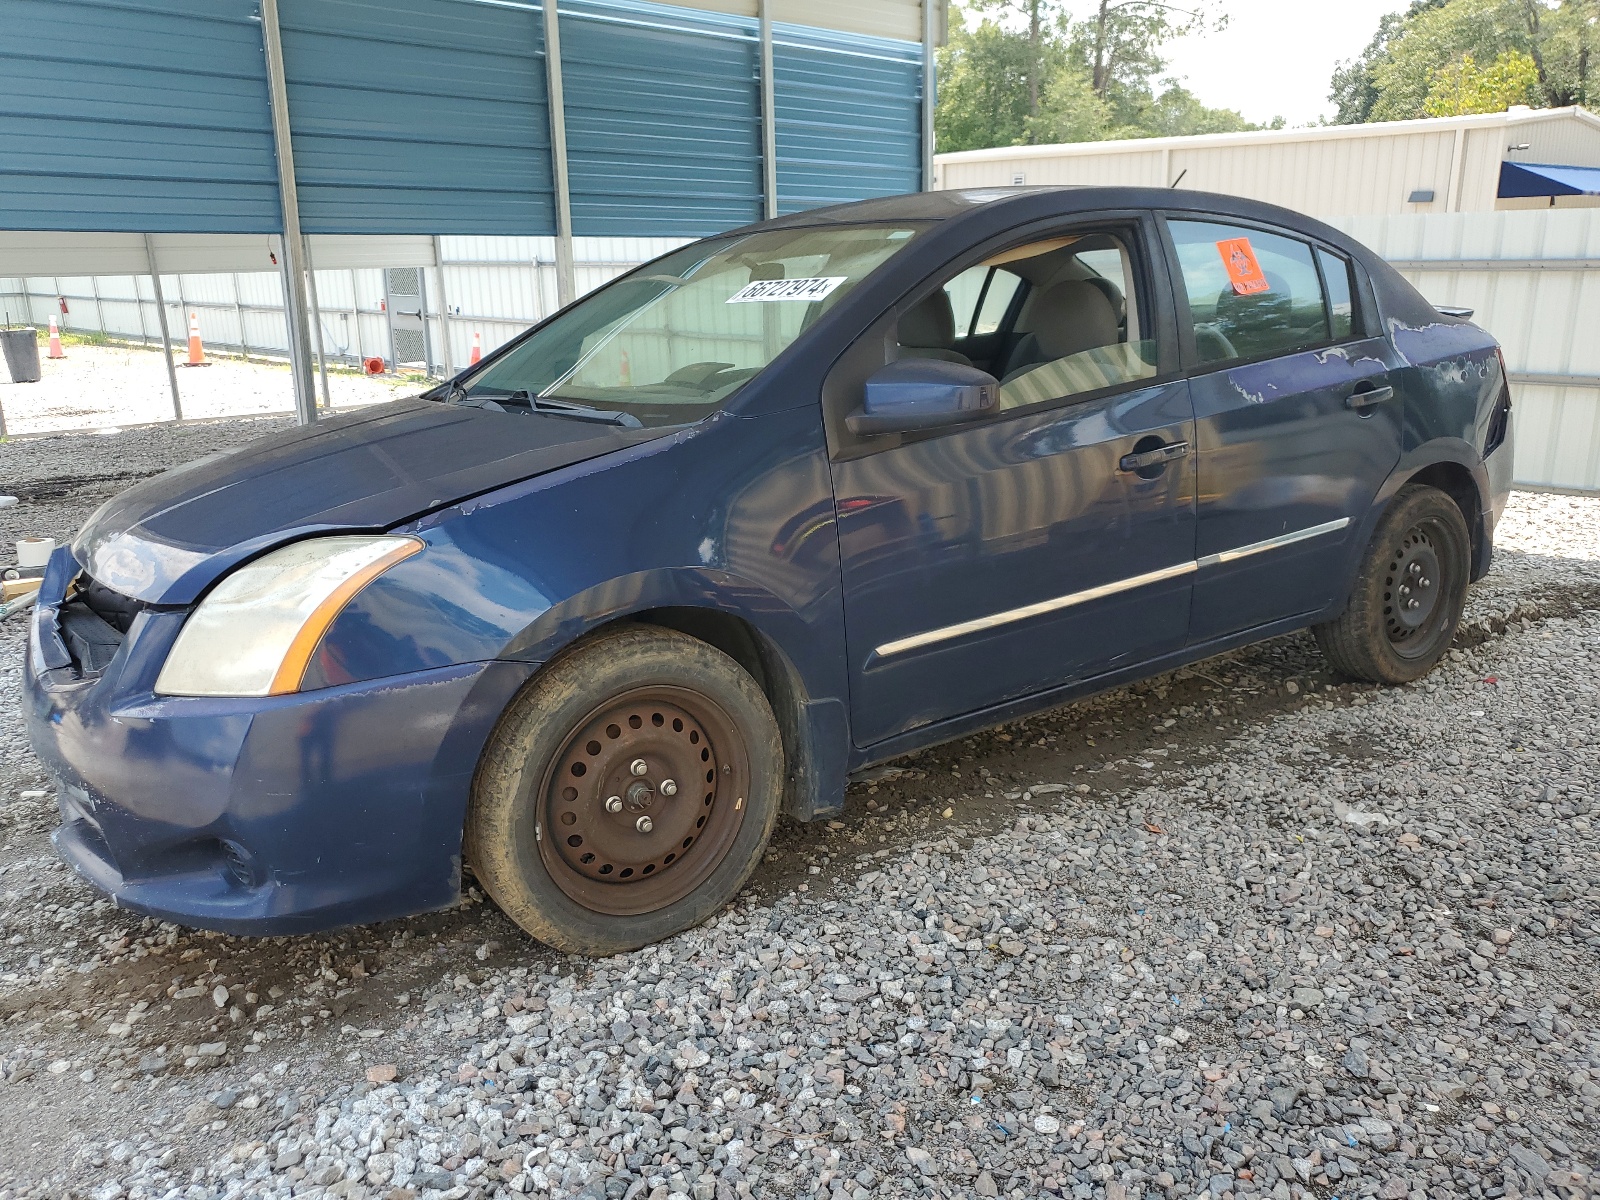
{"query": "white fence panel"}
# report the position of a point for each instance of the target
(1532, 278)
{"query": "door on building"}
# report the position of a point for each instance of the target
(998, 560)
(1297, 420)
(408, 324)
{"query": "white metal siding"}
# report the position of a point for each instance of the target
(1326, 172)
(1545, 316)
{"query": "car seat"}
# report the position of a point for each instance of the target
(929, 331)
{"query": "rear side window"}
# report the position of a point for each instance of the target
(1252, 294)
(979, 299)
(1336, 277)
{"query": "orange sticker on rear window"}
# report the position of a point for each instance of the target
(1244, 272)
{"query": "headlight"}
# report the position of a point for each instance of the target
(256, 631)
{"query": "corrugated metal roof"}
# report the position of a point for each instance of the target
(663, 128)
(134, 115)
(848, 117)
(418, 116)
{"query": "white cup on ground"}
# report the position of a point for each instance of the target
(35, 552)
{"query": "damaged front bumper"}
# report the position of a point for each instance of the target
(273, 815)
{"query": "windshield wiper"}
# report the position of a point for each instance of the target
(578, 412)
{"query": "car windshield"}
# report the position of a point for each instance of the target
(672, 343)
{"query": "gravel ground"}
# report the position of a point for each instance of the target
(98, 386)
(1239, 930)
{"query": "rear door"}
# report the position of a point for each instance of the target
(1297, 423)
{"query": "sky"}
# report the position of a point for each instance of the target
(1276, 57)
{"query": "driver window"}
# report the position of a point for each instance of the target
(1080, 327)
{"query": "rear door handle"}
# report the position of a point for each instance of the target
(1367, 397)
(1151, 458)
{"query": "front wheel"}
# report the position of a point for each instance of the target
(627, 794)
(1409, 592)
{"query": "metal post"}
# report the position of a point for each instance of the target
(294, 269)
(929, 34)
(99, 309)
(444, 310)
(769, 116)
(316, 319)
(166, 333)
(566, 284)
(238, 315)
(355, 315)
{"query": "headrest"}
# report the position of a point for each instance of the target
(931, 325)
(1070, 317)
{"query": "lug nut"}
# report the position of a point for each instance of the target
(668, 788)
(644, 824)
(1424, 583)
(613, 804)
(1412, 604)
(1405, 589)
(639, 766)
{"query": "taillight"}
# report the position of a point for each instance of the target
(1500, 419)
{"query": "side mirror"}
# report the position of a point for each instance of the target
(924, 393)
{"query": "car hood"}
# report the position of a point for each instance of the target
(164, 540)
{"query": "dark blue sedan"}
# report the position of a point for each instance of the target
(770, 509)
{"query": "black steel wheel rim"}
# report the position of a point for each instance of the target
(643, 801)
(1418, 581)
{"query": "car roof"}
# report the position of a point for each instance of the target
(1038, 200)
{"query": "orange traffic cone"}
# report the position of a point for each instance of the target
(477, 346)
(197, 353)
(55, 340)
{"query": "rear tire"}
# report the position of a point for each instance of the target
(1411, 587)
(628, 793)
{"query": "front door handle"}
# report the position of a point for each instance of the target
(1151, 458)
(1366, 397)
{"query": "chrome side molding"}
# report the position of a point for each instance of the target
(994, 620)
(1273, 543)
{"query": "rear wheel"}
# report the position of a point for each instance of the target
(627, 794)
(1409, 593)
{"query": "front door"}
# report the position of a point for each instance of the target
(1297, 420)
(999, 560)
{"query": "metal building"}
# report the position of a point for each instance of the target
(1439, 165)
(215, 136)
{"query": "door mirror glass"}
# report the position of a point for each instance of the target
(924, 393)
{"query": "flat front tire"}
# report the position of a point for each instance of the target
(1410, 590)
(627, 794)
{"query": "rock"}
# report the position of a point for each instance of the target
(1047, 1124)
(1307, 998)
(219, 996)
(1502, 937)
(383, 1073)
(985, 1185)
(1531, 1163)
(225, 1099)
(922, 1161)
(1355, 1061)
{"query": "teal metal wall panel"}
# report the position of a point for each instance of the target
(418, 116)
(135, 115)
(663, 119)
(849, 117)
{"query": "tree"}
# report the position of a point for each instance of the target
(1027, 73)
(984, 93)
(1445, 54)
(1466, 87)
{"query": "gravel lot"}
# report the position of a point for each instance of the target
(98, 386)
(1244, 929)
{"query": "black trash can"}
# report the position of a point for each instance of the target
(21, 347)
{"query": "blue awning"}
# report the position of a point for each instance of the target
(1542, 179)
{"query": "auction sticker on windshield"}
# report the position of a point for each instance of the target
(764, 290)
